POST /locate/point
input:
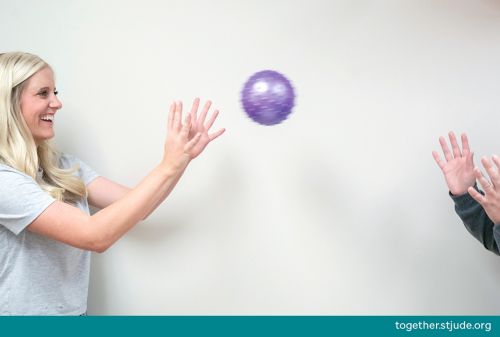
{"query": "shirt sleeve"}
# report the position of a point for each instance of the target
(22, 200)
(85, 172)
(477, 221)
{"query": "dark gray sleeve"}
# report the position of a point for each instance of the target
(477, 221)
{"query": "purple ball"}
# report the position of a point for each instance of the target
(268, 97)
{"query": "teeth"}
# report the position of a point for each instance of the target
(47, 117)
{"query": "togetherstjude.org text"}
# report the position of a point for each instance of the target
(448, 325)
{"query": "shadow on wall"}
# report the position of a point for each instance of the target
(170, 225)
(97, 301)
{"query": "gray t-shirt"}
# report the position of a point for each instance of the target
(38, 275)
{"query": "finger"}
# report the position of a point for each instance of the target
(446, 150)
(485, 184)
(194, 109)
(186, 127)
(170, 119)
(490, 169)
(216, 134)
(189, 145)
(438, 160)
(454, 145)
(465, 145)
(496, 161)
(212, 120)
(481, 199)
(203, 114)
(178, 115)
(469, 161)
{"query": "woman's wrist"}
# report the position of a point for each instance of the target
(169, 170)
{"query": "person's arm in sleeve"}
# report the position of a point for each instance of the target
(458, 170)
(488, 219)
(476, 220)
(479, 211)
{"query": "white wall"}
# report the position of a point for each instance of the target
(340, 209)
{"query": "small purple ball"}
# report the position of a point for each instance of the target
(268, 97)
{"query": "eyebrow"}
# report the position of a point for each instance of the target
(46, 88)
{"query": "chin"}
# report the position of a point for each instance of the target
(40, 140)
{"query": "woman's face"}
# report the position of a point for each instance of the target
(39, 104)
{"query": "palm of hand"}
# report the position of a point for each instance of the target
(202, 143)
(187, 140)
(458, 165)
(459, 175)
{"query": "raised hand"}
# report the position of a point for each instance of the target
(200, 126)
(491, 198)
(180, 142)
(186, 141)
(458, 166)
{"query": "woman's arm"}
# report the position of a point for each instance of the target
(102, 192)
(68, 224)
(98, 232)
(199, 126)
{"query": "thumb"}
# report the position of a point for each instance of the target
(189, 145)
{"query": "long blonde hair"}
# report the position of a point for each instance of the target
(17, 146)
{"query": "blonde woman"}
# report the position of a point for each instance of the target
(46, 232)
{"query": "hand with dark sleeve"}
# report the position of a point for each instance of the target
(474, 207)
(477, 221)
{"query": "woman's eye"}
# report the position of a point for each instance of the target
(45, 93)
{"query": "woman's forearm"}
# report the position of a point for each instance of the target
(164, 194)
(110, 223)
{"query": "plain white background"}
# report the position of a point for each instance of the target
(339, 210)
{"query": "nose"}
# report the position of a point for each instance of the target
(55, 103)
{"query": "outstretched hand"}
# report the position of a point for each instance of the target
(200, 126)
(491, 198)
(458, 166)
(187, 140)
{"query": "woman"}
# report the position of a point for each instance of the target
(479, 211)
(46, 232)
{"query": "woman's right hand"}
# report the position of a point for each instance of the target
(458, 166)
(180, 141)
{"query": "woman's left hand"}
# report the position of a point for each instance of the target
(491, 198)
(198, 125)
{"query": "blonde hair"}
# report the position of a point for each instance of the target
(17, 146)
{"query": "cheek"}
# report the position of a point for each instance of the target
(29, 111)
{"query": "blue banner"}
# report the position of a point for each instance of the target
(254, 326)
